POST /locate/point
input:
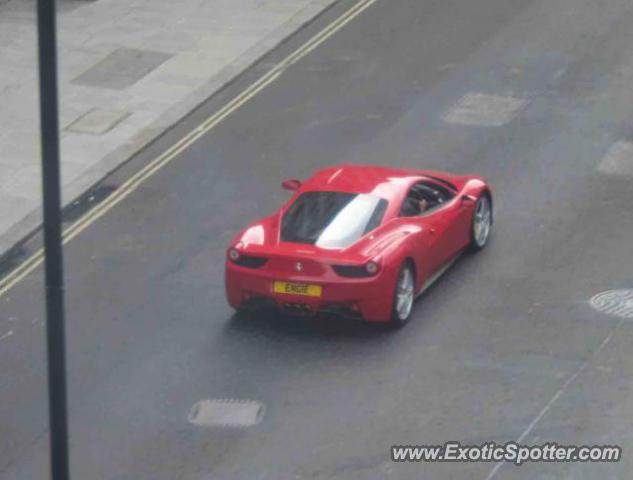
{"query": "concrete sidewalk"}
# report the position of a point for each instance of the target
(129, 69)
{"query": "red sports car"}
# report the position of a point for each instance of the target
(358, 241)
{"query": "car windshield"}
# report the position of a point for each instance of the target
(331, 219)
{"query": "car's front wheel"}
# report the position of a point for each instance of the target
(481, 223)
(404, 295)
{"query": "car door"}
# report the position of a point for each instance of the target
(434, 233)
(429, 250)
(457, 217)
(451, 223)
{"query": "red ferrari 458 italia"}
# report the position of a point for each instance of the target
(358, 241)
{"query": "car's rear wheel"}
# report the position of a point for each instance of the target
(404, 295)
(481, 223)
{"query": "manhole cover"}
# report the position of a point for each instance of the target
(614, 302)
(226, 413)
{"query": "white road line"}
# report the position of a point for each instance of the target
(556, 396)
(618, 160)
(484, 110)
(6, 335)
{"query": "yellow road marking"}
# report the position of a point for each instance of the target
(130, 185)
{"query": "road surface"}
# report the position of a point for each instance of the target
(532, 94)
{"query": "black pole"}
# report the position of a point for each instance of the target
(54, 262)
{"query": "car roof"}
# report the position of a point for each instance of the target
(385, 182)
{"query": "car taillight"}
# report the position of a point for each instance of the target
(357, 271)
(248, 261)
(371, 268)
(251, 262)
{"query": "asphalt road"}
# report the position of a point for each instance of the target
(505, 347)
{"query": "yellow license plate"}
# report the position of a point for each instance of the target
(289, 288)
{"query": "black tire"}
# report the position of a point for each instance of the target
(482, 219)
(401, 312)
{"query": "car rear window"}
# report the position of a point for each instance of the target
(331, 219)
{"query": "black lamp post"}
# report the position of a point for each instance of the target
(54, 262)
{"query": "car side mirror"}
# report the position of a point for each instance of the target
(291, 184)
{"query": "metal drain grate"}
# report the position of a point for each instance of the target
(618, 303)
(226, 413)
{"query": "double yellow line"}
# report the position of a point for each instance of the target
(151, 168)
